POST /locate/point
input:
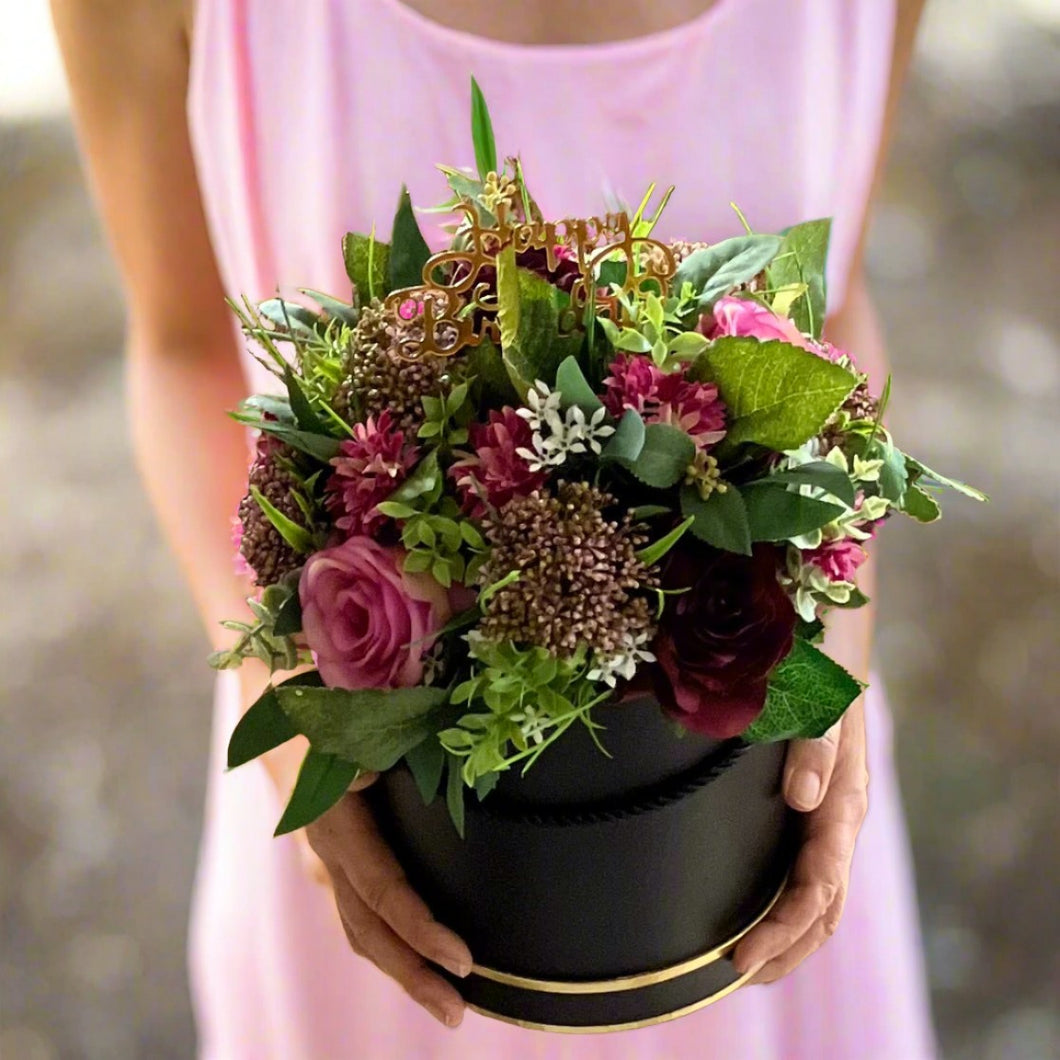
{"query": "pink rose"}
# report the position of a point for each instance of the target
(366, 620)
(742, 316)
(839, 560)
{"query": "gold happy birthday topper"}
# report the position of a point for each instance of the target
(456, 306)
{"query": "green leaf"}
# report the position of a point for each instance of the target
(920, 505)
(408, 249)
(801, 259)
(780, 396)
(774, 513)
(856, 599)
(289, 617)
(665, 456)
(426, 762)
(296, 536)
(809, 631)
(454, 795)
(394, 510)
(323, 447)
(894, 476)
(528, 313)
(425, 481)
(273, 404)
(322, 781)
(655, 552)
(720, 520)
(574, 388)
(332, 306)
(485, 783)
(626, 443)
(714, 271)
(290, 317)
(933, 476)
(822, 474)
(482, 133)
(492, 388)
(808, 693)
(367, 265)
(263, 727)
(649, 511)
(304, 413)
(371, 726)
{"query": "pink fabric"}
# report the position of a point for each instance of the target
(306, 116)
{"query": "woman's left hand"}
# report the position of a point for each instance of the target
(827, 779)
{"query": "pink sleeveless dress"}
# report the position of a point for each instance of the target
(306, 116)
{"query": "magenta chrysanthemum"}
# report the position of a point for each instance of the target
(839, 560)
(638, 383)
(493, 473)
(369, 467)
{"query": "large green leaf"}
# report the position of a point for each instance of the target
(720, 520)
(263, 727)
(426, 762)
(664, 457)
(367, 265)
(408, 249)
(779, 396)
(808, 693)
(714, 271)
(373, 727)
(802, 258)
(482, 133)
(574, 388)
(322, 781)
(323, 447)
(528, 312)
(774, 513)
(822, 474)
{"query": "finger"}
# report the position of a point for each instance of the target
(378, 879)
(372, 939)
(818, 879)
(819, 933)
(808, 769)
(362, 781)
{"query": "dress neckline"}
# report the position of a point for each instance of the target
(627, 47)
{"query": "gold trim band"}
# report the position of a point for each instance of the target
(626, 982)
(604, 1028)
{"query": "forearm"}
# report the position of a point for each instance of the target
(193, 460)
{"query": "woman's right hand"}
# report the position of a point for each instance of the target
(384, 919)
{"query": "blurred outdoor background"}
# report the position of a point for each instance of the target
(107, 695)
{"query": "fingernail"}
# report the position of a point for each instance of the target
(455, 962)
(804, 789)
(449, 1017)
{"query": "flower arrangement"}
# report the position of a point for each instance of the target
(553, 466)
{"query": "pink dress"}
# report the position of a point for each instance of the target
(306, 117)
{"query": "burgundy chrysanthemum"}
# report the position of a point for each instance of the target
(493, 473)
(636, 382)
(369, 467)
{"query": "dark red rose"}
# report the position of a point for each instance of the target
(719, 641)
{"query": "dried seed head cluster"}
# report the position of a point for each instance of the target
(262, 546)
(580, 581)
(379, 375)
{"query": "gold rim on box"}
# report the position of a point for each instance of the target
(626, 982)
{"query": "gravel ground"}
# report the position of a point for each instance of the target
(102, 762)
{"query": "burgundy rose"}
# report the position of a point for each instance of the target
(719, 641)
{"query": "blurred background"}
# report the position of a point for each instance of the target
(102, 763)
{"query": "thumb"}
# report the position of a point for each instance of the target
(808, 769)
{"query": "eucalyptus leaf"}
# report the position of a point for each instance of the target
(482, 133)
(720, 520)
(290, 317)
(779, 396)
(574, 388)
(801, 259)
(334, 308)
(775, 513)
(322, 781)
(714, 271)
(367, 265)
(626, 443)
(426, 762)
(664, 457)
(807, 694)
(374, 727)
(408, 249)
